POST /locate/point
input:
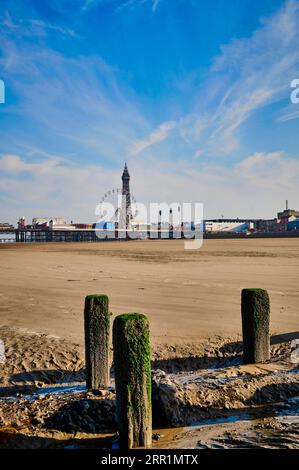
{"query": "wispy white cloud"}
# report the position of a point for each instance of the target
(247, 76)
(130, 4)
(158, 135)
(32, 26)
(14, 164)
(155, 4)
(79, 100)
(258, 160)
(289, 116)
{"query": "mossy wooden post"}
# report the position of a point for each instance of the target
(131, 346)
(255, 307)
(96, 328)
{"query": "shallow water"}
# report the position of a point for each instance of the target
(272, 426)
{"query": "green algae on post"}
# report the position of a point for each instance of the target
(255, 307)
(97, 329)
(132, 366)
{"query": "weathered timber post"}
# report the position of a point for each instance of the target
(131, 346)
(97, 328)
(255, 306)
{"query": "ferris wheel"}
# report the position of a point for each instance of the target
(118, 201)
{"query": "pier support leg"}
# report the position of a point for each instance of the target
(255, 306)
(96, 328)
(132, 367)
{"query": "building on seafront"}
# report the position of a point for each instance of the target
(288, 219)
(123, 221)
(6, 227)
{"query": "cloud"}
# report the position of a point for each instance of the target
(78, 101)
(32, 26)
(259, 159)
(13, 164)
(155, 4)
(80, 121)
(248, 76)
(255, 188)
(130, 4)
(52, 186)
(158, 135)
(289, 116)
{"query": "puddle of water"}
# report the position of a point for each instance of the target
(44, 391)
(184, 379)
(242, 424)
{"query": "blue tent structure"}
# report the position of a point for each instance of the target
(293, 224)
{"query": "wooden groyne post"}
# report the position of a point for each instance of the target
(96, 329)
(131, 346)
(255, 307)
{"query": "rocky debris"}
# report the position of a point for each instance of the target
(184, 399)
(267, 433)
(188, 387)
(2, 353)
(85, 413)
(90, 416)
(17, 390)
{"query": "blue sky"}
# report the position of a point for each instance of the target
(193, 94)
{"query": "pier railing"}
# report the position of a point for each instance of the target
(97, 235)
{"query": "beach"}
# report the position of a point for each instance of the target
(203, 396)
(187, 294)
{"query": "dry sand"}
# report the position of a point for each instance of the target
(188, 295)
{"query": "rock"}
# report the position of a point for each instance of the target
(101, 393)
(2, 353)
(37, 420)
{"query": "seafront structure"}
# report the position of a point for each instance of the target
(126, 210)
(122, 225)
(5, 227)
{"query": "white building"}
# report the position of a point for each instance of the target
(227, 225)
(46, 220)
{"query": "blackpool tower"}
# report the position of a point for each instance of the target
(126, 194)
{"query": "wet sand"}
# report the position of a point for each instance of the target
(207, 401)
(188, 295)
(193, 301)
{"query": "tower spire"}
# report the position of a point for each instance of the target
(126, 194)
(125, 172)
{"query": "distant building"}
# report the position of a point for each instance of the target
(293, 225)
(5, 226)
(38, 221)
(56, 225)
(82, 226)
(286, 216)
(266, 225)
(21, 223)
(228, 225)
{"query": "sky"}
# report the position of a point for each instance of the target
(194, 95)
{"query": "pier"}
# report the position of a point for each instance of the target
(99, 235)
